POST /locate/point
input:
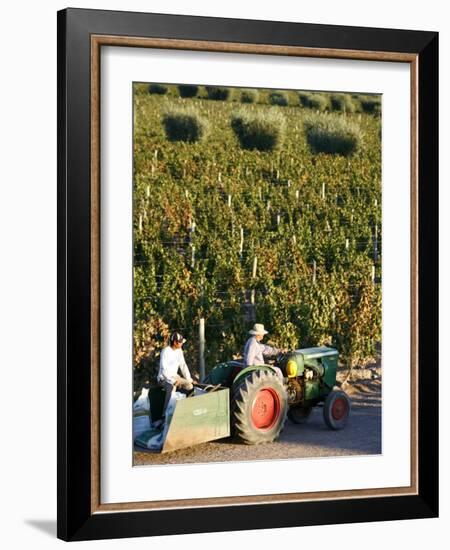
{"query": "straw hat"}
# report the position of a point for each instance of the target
(258, 329)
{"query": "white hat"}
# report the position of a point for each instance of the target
(258, 329)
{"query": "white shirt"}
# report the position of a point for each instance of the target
(254, 352)
(170, 361)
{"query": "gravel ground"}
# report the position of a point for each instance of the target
(361, 436)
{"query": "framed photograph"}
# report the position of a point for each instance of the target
(247, 271)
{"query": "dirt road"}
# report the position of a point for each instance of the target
(361, 436)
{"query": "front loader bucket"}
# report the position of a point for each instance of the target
(194, 420)
(198, 419)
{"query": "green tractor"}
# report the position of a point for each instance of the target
(261, 397)
(251, 403)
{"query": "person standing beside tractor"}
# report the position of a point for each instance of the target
(255, 350)
(171, 360)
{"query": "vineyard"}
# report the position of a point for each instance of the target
(288, 237)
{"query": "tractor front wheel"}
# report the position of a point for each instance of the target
(299, 415)
(336, 409)
(258, 408)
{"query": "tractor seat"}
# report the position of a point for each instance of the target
(237, 367)
(236, 364)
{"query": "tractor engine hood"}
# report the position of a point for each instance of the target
(316, 358)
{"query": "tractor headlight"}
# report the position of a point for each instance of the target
(291, 368)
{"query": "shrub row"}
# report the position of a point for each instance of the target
(159, 89)
(371, 105)
(249, 96)
(317, 102)
(278, 98)
(266, 131)
(184, 125)
(263, 132)
(339, 102)
(344, 103)
(187, 90)
(332, 135)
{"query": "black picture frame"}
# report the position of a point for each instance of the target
(76, 518)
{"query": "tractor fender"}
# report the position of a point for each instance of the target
(243, 373)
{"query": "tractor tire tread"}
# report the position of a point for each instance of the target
(239, 414)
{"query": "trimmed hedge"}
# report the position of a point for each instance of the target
(371, 105)
(318, 102)
(249, 96)
(342, 103)
(278, 98)
(217, 93)
(263, 132)
(187, 90)
(332, 135)
(159, 89)
(184, 125)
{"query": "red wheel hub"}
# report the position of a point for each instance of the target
(265, 409)
(339, 408)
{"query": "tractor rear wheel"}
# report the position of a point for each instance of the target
(299, 415)
(258, 408)
(336, 409)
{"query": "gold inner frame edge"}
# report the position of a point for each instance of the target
(97, 41)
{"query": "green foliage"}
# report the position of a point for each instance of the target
(177, 183)
(315, 101)
(184, 125)
(342, 103)
(249, 96)
(140, 88)
(278, 98)
(149, 337)
(332, 135)
(303, 98)
(218, 93)
(159, 89)
(263, 132)
(371, 105)
(187, 90)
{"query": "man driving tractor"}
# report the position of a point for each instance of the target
(255, 350)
